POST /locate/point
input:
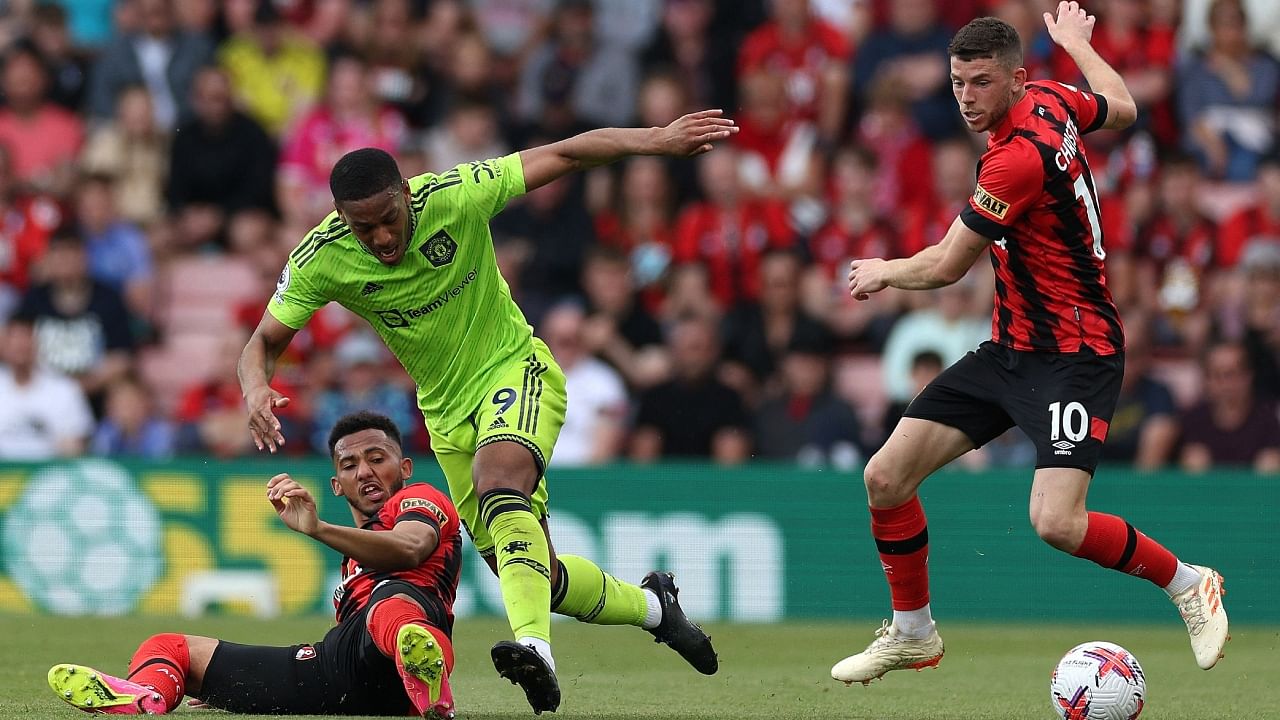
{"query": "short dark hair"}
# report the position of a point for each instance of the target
(363, 173)
(926, 357)
(364, 420)
(988, 37)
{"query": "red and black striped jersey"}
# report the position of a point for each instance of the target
(1037, 202)
(437, 575)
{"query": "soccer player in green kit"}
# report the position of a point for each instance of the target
(415, 259)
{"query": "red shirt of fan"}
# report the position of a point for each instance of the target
(1036, 201)
(437, 575)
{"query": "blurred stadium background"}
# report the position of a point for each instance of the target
(160, 158)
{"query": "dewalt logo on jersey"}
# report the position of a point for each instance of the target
(990, 203)
(397, 318)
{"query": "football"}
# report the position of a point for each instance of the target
(1098, 681)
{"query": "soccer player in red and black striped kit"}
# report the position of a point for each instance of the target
(390, 652)
(1055, 360)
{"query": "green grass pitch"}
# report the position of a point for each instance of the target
(766, 671)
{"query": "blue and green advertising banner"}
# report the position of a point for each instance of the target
(756, 544)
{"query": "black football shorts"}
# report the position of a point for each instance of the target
(343, 674)
(1062, 401)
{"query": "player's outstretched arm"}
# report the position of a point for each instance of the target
(1072, 30)
(687, 136)
(257, 365)
(932, 267)
(403, 547)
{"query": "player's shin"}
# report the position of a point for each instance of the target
(162, 663)
(1113, 543)
(523, 558)
(386, 618)
(591, 595)
(902, 538)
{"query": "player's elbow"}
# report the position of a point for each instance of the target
(1125, 114)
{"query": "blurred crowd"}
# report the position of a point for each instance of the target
(160, 158)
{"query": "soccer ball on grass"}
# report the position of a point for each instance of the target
(1098, 681)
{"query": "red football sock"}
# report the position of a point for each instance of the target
(902, 537)
(386, 618)
(1113, 543)
(162, 663)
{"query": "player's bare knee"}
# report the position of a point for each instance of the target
(199, 653)
(884, 480)
(1060, 530)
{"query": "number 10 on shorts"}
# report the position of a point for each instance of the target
(1071, 421)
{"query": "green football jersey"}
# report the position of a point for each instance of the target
(444, 311)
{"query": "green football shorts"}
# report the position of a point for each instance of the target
(526, 406)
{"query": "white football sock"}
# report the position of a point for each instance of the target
(915, 624)
(1186, 577)
(543, 649)
(653, 615)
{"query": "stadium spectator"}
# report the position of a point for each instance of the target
(46, 164)
(361, 369)
(43, 413)
(946, 325)
(628, 24)
(638, 218)
(1144, 428)
(130, 426)
(926, 220)
(472, 74)
(1230, 426)
(1259, 219)
(350, 117)
(210, 413)
(68, 67)
(692, 415)
(469, 131)
(812, 59)
(1175, 253)
(408, 59)
(802, 420)
(82, 325)
(1227, 95)
(618, 329)
(925, 366)
(887, 128)
(222, 163)
(779, 153)
(729, 230)
(553, 222)
(595, 422)
(700, 55)
(663, 98)
(118, 253)
(390, 652)
(511, 29)
(855, 229)
(1193, 19)
(910, 54)
(1260, 314)
(574, 79)
(135, 154)
(757, 335)
(26, 222)
(276, 72)
(157, 55)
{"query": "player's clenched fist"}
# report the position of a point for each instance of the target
(695, 133)
(293, 503)
(263, 424)
(866, 276)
